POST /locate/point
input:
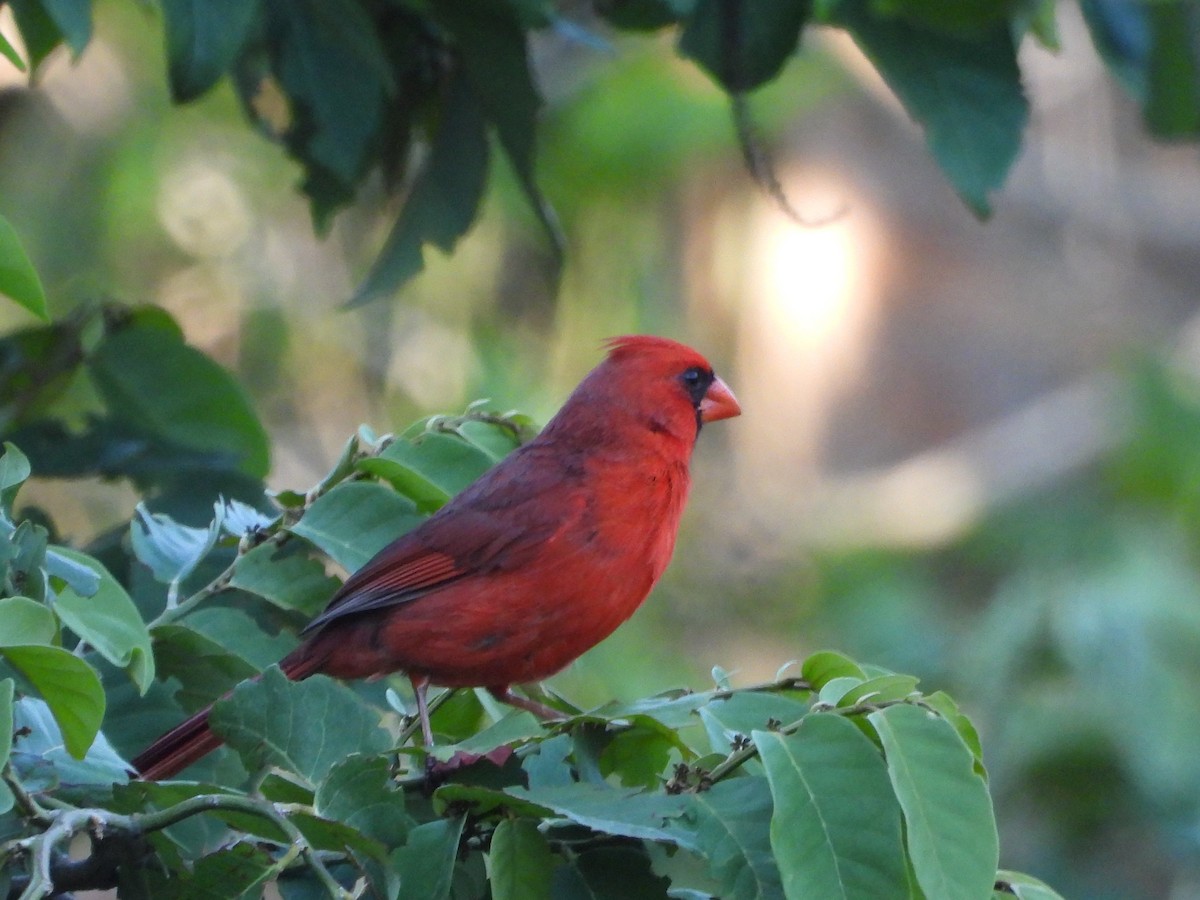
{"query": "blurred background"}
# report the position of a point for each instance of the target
(969, 451)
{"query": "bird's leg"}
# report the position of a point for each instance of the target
(505, 695)
(420, 685)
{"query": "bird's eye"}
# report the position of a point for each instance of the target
(693, 376)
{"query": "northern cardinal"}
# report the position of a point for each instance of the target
(536, 562)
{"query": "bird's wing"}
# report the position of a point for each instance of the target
(496, 524)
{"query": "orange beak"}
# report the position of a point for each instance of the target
(719, 403)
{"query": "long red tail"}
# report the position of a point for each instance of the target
(192, 740)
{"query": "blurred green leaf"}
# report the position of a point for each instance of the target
(964, 92)
(645, 15)
(203, 39)
(285, 575)
(25, 621)
(426, 862)
(154, 382)
(70, 687)
(38, 30)
(18, 278)
(73, 18)
(328, 59)
(6, 731)
(430, 469)
(1172, 104)
(743, 45)
(965, 17)
(108, 621)
(495, 60)
(732, 823)
(836, 826)
(444, 200)
(950, 827)
(14, 470)
(520, 861)
(356, 520)
(9, 52)
(304, 727)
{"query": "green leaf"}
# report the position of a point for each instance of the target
(230, 872)
(286, 576)
(743, 45)
(964, 92)
(25, 621)
(1025, 887)
(638, 756)
(950, 826)
(430, 469)
(426, 862)
(73, 18)
(154, 382)
(304, 728)
(41, 742)
(171, 550)
(18, 279)
(234, 629)
(964, 17)
(733, 833)
(609, 810)
(881, 689)
(1172, 104)
(359, 791)
(945, 706)
(328, 59)
(609, 873)
(727, 720)
(520, 861)
(81, 578)
(495, 57)
(356, 520)
(836, 827)
(109, 621)
(70, 687)
(38, 30)
(205, 669)
(7, 687)
(204, 37)
(444, 199)
(821, 668)
(9, 52)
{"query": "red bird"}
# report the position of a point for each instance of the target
(536, 562)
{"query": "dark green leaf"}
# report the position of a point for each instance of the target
(156, 383)
(9, 52)
(218, 875)
(235, 630)
(444, 199)
(38, 30)
(836, 827)
(513, 728)
(73, 18)
(204, 668)
(25, 621)
(69, 686)
(305, 728)
(638, 756)
(287, 576)
(360, 792)
(964, 92)
(745, 44)
(609, 873)
(964, 17)
(203, 39)
(426, 862)
(430, 469)
(732, 822)
(495, 57)
(356, 520)
(18, 278)
(1172, 105)
(645, 15)
(108, 621)
(328, 59)
(950, 827)
(520, 861)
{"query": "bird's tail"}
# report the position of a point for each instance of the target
(192, 739)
